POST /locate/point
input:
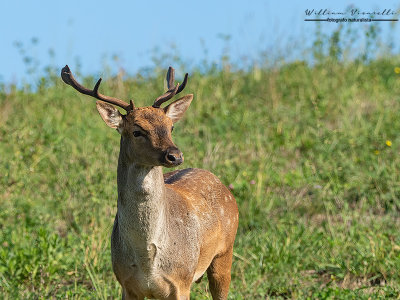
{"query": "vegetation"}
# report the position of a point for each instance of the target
(310, 151)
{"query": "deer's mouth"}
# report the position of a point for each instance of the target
(171, 165)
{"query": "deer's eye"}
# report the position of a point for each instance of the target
(137, 133)
(172, 128)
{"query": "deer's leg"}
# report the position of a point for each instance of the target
(129, 295)
(219, 275)
(179, 296)
(180, 292)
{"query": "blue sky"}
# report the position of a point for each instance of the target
(95, 31)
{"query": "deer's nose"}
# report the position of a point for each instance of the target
(173, 156)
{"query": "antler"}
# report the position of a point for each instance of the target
(68, 78)
(172, 90)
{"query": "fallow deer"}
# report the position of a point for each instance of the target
(169, 229)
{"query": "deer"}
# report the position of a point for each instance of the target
(170, 229)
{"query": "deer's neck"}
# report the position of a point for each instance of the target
(141, 203)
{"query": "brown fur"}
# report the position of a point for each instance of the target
(169, 229)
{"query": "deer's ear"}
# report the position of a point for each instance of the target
(110, 115)
(177, 108)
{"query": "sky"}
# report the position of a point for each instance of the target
(92, 34)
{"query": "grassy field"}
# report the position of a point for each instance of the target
(311, 153)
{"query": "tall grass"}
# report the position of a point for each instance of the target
(310, 150)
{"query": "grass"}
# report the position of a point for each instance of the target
(311, 152)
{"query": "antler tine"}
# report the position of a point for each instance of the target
(172, 90)
(69, 79)
(170, 77)
(182, 86)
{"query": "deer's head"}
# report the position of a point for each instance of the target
(145, 131)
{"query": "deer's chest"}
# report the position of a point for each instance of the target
(151, 266)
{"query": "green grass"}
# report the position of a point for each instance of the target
(304, 147)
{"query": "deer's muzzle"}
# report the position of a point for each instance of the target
(172, 157)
